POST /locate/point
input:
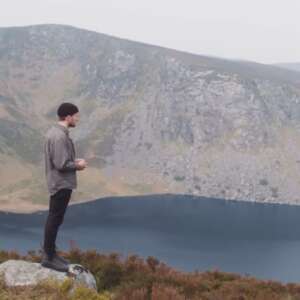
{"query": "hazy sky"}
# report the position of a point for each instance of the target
(266, 31)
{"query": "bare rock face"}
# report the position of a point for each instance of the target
(153, 120)
(20, 273)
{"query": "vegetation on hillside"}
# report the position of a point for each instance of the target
(135, 278)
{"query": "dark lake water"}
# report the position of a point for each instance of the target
(186, 232)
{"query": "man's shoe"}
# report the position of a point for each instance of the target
(62, 259)
(52, 262)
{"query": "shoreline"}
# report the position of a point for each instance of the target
(23, 207)
(29, 208)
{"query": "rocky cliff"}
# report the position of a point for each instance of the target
(153, 120)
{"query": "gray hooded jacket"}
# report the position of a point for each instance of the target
(59, 154)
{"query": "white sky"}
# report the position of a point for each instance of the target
(265, 31)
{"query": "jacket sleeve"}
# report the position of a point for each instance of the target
(60, 155)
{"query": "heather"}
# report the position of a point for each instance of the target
(135, 278)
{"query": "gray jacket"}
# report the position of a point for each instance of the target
(59, 154)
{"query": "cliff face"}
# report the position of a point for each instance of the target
(153, 120)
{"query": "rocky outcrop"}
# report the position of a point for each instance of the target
(20, 273)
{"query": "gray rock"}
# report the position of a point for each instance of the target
(21, 273)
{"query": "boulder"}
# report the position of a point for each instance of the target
(20, 273)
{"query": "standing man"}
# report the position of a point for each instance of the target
(61, 167)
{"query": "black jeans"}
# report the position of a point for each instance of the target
(57, 208)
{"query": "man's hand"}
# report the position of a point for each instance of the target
(81, 164)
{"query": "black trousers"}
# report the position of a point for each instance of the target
(57, 208)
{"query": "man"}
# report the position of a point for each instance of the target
(61, 167)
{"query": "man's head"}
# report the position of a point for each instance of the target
(68, 113)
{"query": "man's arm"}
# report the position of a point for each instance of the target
(60, 155)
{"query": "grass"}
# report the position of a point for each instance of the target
(135, 278)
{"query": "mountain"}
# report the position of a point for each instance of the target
(153, 120)
(290, 66)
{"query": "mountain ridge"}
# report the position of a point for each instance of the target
(153, 120)
(294, 66)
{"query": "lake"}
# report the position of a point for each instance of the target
(186, 232)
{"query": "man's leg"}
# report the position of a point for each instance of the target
(57, 208)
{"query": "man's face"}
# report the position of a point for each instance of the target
(72, 120)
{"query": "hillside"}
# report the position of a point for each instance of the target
(153, 120)
(290, 66)
(135, 278)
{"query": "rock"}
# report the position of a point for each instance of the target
(20, 273)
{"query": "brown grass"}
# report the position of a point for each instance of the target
(135, 278)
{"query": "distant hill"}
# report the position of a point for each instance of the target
(290, 66)
(153, 120)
